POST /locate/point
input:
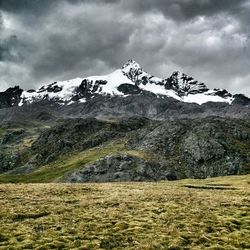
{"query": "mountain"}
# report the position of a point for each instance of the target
(126, 92)
(131, 79)
(125, 126)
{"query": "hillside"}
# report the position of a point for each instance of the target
(133, 149)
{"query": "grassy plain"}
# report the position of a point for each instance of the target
(186, 214)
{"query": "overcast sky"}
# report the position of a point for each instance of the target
(47, 40)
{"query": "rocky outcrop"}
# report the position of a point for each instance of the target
(12, 136)
(80, 134)
(119, 168)
(184, 84)
(10, 156)
(28, 167)
(199, 148)
(240, 99)
(129, 89)
(8, 161)
(11, 97)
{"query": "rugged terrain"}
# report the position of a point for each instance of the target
(125, 126)
(132, 149)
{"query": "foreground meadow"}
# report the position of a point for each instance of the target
(187, 214)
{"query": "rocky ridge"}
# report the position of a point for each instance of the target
(129, 80)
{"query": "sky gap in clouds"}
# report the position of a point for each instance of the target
(42, 40)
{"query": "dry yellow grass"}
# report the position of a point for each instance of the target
(157, 215)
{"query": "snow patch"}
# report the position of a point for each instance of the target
(114, 80)
(203, 98)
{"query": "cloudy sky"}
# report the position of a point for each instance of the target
(46, 40)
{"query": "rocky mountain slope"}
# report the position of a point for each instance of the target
(125, 126)
(134, 149)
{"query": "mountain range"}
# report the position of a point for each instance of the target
(131, 79)
(127, 125)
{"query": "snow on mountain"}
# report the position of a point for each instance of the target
(61, 91)
(131, 79)
(201, 98)
(114, 80)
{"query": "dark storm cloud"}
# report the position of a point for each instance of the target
(45, 40)
(83, 44)
(25, 5)
(40, 6)
(178, 9)
(185, 9)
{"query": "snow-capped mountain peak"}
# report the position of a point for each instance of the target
(131, 65)
(131, 79)
(185, 84)
(135, 73)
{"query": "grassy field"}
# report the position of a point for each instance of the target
(187, 214)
